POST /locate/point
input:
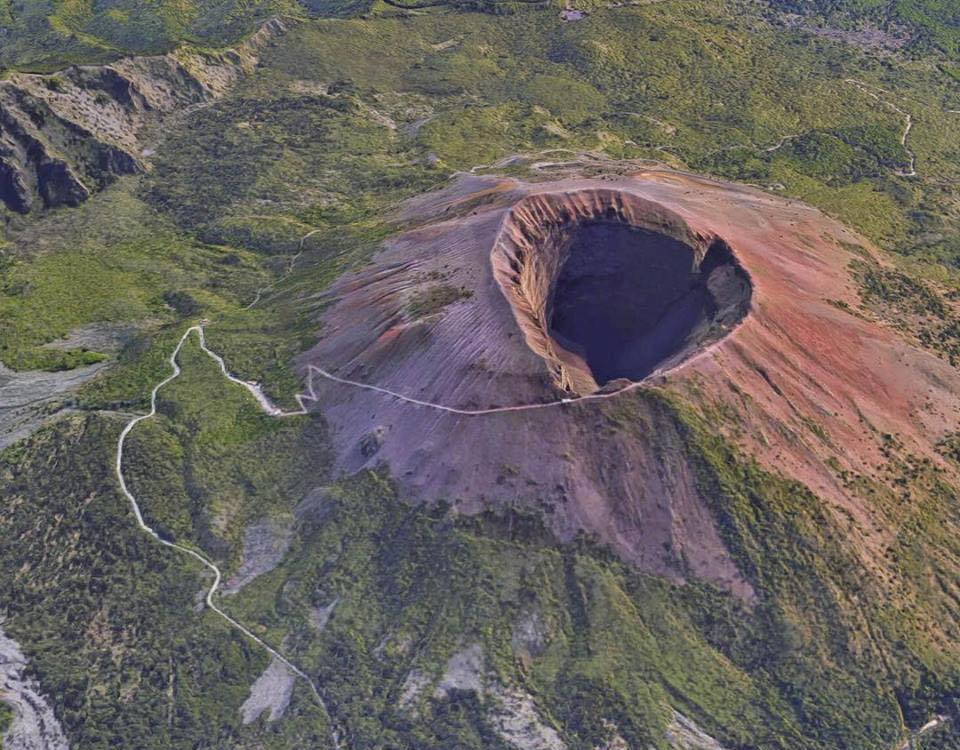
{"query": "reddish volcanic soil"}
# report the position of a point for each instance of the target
(461, 311)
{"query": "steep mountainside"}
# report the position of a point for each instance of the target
(68, 134)
(478, 375)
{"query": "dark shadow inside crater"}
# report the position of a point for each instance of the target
(630, 301)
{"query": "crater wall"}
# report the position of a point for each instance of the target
(641, 291)
(791, 373)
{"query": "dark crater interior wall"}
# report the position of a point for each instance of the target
(631, 300)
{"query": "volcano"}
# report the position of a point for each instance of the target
(601, 301)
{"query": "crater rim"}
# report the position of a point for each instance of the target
(532, 249)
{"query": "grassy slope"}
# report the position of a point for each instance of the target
(224, 463)
(46, 35)
(346, 119)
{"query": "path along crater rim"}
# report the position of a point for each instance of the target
(610, 288)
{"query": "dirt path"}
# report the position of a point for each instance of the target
(293, 261)
(907, 124)
(302, 400)
(781, 143)
(273, 410)
(314, 370)
(203, 560)
(934, 722)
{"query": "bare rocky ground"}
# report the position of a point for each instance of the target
(271, 692)
(34, 725)
(28, 399)
(24, 396)
(864, 36)
(684, 734)
(320, 616)
(265, 543)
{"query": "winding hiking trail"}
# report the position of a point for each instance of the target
(293, 261)
(205, 561)
(302, 399)
(268, 407)
(907, 126)
(314, 370)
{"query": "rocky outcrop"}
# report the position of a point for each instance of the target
(271, 692)
(66, 135)
(265, 543)
(512, 711)
(35, 727)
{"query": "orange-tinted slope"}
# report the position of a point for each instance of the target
(814, 386)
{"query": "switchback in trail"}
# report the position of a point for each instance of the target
(268, 407)
(202, 559)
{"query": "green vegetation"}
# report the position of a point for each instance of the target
(791, 546)
(345, 119)
(114, 261)
(212, 462)
(105, 615)
(930, 22)
(912, 306)
(6, 717)
(45, 35)
(433, 299)
(331, 133)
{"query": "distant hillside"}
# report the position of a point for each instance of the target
(932, 22)
(46, 35)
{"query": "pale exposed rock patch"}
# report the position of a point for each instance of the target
(24, 394)
(515, 718)
(35, 727)
(464, 671)
(530, 634)
(440, 46)
(684, 734)
(511, 711)
(320, 616)
(265, 543)
(270, 692)
(100, 337)
(412, 689)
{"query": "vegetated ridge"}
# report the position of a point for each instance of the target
(66, 135)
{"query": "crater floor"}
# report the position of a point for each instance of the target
(629, 299)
